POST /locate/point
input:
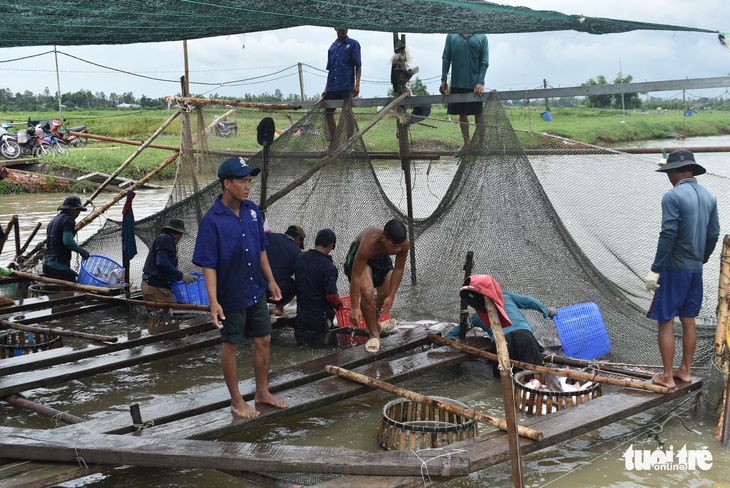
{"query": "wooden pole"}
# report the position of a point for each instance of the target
(68, 284)
(463, 313)
(103, 208)
(301, 82)
(211, 128)
(577, 375)
(10, 225)
(598, 366)
(329, 157)
(722, 338)
(417, 397)
(146, 303)
(32, 235)
(235, 103)
(132, 157)
(16, 234)
(62, 332)
(508, 397)
(19, 400)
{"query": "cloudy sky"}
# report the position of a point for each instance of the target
(263, 62)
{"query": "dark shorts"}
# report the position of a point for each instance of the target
(380, 266)
(338, 95)
(679, 294)
(59, 274)
(468, 108)
(250, 322)
(313, 329)
(523, 346)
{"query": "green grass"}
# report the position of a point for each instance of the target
(594, 126)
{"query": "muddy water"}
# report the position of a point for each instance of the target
(592, 460)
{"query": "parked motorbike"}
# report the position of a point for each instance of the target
(226, 129)
(9, 147)
(31, 141)
(52, 137)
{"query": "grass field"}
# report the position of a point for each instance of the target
(595, 126)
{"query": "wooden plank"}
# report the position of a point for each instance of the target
(61, 355)
(218, 398)
(52, 445)
(121, 359)
(490, 449)
(307, 397)
(33, 475)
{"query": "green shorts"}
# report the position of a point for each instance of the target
(250, 322)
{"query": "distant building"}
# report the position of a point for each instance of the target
(128, 105)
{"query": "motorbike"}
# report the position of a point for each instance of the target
(55, 138)
(226, 129)
(76, 141)
(31, 141)
(9, 147)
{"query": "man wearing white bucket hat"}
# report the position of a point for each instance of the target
(690, 229)
(160, 267)
(60, 241)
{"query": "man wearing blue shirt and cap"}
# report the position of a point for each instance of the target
(231, 249)
(344, 66)
(60, 241)
(690, 230)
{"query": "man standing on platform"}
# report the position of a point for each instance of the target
(344, 66)
(690, 230)
(231, 249)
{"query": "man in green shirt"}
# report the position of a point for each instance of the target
(468, 57)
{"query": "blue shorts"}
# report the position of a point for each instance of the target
(253, 321)
(679, 294)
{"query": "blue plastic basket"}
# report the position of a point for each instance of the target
(194, 292)
(581, 331)
(97, 269)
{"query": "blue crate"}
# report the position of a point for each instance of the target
(194, 292)
(582, 332)
(98, 270)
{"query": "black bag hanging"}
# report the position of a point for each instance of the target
(265, 131)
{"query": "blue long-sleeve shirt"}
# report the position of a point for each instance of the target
(513, 303)
(690, 228)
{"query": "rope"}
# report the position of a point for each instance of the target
(146, 425)
(424, 467)
(79, 459)
(56, 418)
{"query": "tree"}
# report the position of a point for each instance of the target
(417, 88)
(630, 100)
(597, 101)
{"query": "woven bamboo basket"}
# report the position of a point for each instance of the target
(18, 343)
(541, 402)
(412, 425)
(42, 289)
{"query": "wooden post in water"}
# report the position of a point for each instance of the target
(10, 225)
(510, 413)
(721, 338)
(463, 314)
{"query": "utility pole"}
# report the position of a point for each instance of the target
(301, 82)
(58, 83)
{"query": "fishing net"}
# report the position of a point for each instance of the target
(559, 220)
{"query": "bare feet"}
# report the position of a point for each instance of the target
(244, 410)
(682, 375)
(269, 399)
(662, 380)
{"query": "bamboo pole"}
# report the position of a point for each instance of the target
(577, 375)
(19, 400)
(463, 312)
(597, 365)
(68, 284)
(508, 397)
(104, 207)
(325, 160)
(211, 128)
(62, 332)
(10, 225)
(146, 303)
(434, 402)
(32, 235)
(131, 158)
(235, 103)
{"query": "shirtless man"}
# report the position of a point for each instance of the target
(369, 268)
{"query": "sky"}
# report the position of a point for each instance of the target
(255, 63)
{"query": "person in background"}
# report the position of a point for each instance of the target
(468, 57)
(231, 249)
(317, 297)
(689, 233)
(282, 251)
(60, 241)
(369, 267)
(344, 66)
(160, 267)
(522, 344)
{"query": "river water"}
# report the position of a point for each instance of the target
(592, 460)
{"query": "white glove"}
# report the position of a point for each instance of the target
(651, 281)
(189, 278)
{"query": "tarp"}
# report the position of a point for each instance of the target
(87, 22)
(129, 242)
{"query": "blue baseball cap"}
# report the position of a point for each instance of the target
(236, 168)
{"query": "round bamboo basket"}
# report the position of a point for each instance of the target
(407, 424)
(42, 289)
(18, 343)
(542, 402)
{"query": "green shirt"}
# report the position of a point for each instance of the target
(468, 58)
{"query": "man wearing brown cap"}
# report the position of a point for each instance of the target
(160, 267)
(690, 229)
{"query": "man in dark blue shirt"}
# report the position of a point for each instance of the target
(282, 251)
(160, 267)
(317, 297)
(60, 241)
(344, 66)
